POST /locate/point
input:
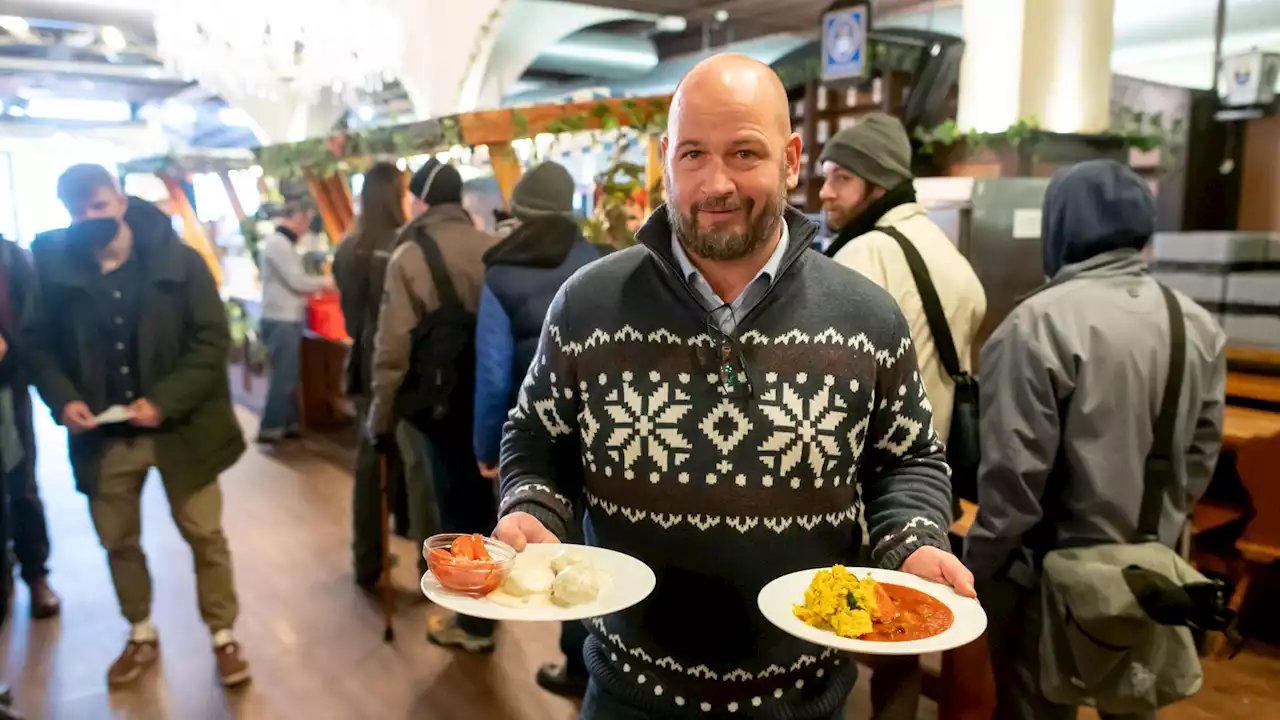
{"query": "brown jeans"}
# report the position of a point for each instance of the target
(117, 515)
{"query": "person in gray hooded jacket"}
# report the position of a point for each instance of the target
(1071, 384)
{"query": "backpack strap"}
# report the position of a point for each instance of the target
(933, 312)
(1158, 472)
(439, 270)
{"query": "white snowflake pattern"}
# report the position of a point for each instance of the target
(647, 424)
(802, 428)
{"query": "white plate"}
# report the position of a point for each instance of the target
(778, 597)
(624, 581)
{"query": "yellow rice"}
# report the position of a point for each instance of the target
(826, 603)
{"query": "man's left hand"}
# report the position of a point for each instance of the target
(145, 414)
(941, 566)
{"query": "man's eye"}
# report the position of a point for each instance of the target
(693, 154)
(747, 154)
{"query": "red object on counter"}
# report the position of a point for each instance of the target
(324, 316)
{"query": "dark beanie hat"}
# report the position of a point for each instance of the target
(436, 183)
(876, 149)
(546, 190)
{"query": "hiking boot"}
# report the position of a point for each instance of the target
(45, 603)
(136, 658)
(444, 631)
(557, 680)
(233, 669)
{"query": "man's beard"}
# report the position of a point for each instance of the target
(718, 243)
(837, 220)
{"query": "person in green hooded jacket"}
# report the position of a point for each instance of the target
(129, 348)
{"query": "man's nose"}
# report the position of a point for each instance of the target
(827, 192)
(718, 182)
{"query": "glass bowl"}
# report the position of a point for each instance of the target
(468, 577)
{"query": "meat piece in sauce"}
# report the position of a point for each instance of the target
(886, 608)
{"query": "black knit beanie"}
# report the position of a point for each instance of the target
(436, 183)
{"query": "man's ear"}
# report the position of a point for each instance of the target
(791, 153)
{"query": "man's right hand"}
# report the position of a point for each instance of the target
(519, 529)
(78, 417)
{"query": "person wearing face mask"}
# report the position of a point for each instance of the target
(285, 288)
(680, 371)
(128, 316)
(870, 201)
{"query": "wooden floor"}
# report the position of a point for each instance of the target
(315, 642)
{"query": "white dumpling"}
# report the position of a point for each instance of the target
(529, 576)
(567, 558)
(578, 584)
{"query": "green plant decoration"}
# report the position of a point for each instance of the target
(1023, 132)
(620, 182)
(1148, 131)
(252, 240)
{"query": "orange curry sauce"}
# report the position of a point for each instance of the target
(912, 615)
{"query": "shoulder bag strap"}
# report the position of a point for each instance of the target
(1158, 469)
(933, 312)
(439, 270)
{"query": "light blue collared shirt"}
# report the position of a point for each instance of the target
(727, 315)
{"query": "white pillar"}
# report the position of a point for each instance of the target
(447, 46)
(1047, 59)
(528, 28)
(287, 117)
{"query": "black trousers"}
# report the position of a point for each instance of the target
(366, 502)
(27, 525)
(465, 498)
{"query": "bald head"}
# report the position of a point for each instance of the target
(730, 158)
(736, 80)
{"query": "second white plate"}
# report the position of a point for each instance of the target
(624, 581)
(778, 597)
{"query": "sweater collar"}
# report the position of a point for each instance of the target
(657, 234)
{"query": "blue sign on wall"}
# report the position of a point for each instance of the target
(844, 43)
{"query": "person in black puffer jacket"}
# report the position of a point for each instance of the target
(522, 275)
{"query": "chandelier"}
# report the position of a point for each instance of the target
(266, 47)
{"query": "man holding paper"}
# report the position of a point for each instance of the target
(129, 349)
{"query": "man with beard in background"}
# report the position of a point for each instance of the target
(683, 369)
(870, 200)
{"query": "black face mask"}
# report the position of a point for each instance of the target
(94, 234)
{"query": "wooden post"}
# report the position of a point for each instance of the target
(234, 199)
(652, 171)
(812, 148)
(334, 212)
(340, 197)
(506, 168)
(192, 230)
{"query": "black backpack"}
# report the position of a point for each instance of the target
(441, 377)
(964, 450)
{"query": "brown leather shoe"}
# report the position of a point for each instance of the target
(232, 667)
(45, 603)
(137, 657)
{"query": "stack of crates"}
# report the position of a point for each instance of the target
(1234, 275)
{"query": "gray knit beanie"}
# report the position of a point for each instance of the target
(876, 149)
(546, 190)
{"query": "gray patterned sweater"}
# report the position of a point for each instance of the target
(721, 490)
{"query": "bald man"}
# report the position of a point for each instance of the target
(736, 400)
